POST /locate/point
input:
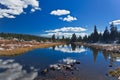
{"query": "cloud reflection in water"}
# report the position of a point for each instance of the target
(69, 49)
(14, 71)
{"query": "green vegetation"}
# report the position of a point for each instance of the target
(22, 37)
(108, 36)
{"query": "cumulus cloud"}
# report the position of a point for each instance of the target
(115, 22)
(60, 12)
(14, 71)
(16, 7)
(68, 29)
(66, 35)
(69, 18)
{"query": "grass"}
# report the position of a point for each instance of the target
(18, 51)
(115, 73)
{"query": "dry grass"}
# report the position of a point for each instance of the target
(18, 51)
(115, 73)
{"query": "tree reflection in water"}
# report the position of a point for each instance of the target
(53, 47)
(73, 46)
(95, 53)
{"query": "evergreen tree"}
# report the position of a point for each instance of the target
(95, 34)
(63, 38)
(73, 38)
(53, 37)
(85, 38)
(114, 32)
(79, 39)
(100, 37)
(106, 36)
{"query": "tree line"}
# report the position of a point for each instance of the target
(111, 35)
(22, 37)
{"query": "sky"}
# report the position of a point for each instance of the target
(60, 17)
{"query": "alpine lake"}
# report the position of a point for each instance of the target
(94, 64)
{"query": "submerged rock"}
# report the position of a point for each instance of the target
(65, 66)
(77, 62)
(110, 65)
(68, 67)
(45, 71)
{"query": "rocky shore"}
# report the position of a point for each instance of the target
(113, 48)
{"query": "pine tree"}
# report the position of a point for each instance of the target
(73, 38)
(53, 37)
(100, 37)
(63, 38)
(94, 36)
(114, 32)
(85, 38)
(79, 39)
(106, 36)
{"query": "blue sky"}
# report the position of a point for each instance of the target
(45, 17)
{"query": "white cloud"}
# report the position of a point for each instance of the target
(68, 29)
(115, 22)
(68, 18)
(16, 7)
(60, 34)
(60, 12)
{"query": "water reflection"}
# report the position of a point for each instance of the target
(95, 53)
(17, 67)
(114, 57)
(53, 47)
(73, 47)
(14, 71)
(106, 55)
(70, 48)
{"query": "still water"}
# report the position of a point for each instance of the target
(95, 64)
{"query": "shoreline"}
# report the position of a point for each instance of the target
(21, 50)
(112, 48)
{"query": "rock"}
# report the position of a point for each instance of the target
(110, 65)
(77, 62)
(52, 68)
(65, 74)
(56, 67)
(68, 67)
(72, 72)
(45, 71)
(119, 78)
(76, 69)
(72, 65)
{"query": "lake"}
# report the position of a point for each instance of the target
(94, 64)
